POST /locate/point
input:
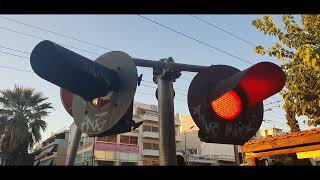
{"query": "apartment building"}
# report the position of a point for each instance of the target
(53, 151)
(138, 147)
(201, 153)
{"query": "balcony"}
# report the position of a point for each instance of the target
(147, 152)
(156, 119)
(149, 118)
(179, 138)
(150, 135)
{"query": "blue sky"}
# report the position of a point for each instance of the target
(138, 38)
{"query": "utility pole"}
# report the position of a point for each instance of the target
(164, 78)
(93, 146)
(74, 144)
(236, 155)
(165, 72)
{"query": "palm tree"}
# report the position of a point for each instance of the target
(21, 121)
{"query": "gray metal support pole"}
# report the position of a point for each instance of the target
(167, 144)
(162, 65)
(93, 148)
(236, 155)
(74, 147)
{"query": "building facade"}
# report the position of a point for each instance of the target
(201, 153)
(262, 133)
(138, 147)
(53, 151)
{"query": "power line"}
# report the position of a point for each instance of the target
(145, 93)
(282, 126)
(174, 88)
(36, 37)
(56, 33)
(274, 121)
(14, 54)
(194, 39)
(137, 92)
(273, 102)
(31, 71)
(15, 69)
(14, 49)
(60, 34)
(217, 27)
(156, 88)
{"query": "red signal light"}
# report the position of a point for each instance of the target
(66, 98)
(99, 102)
(228, 106)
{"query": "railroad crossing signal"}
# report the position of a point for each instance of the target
(227, 104)
(102, 91)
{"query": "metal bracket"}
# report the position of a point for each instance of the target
(168, 72)
(140, 79)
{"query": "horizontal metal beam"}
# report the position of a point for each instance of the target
(176, 66)
(284, 151)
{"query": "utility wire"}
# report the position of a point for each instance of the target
(15, 69)
(194, 39)
(217, 27)
(156, 88)
(14, 54)
(36, 37)
(56, 33)
(14, 49)
(30, 53)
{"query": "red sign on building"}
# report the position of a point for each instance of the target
(116, 147)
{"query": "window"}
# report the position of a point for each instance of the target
(133, 140)
(106, 163)
(192, 150)
(87, 155)
(101, 138)
(155, 129)
(112, 138)
(147, 146)
(55, 148)
(150, 129)
(177, 131)
(155, 146)
(88, 140)
(147, 129)
(150, 146)
(129, 140)
(124, 139)
(155, 163)
(78, 159)
(150, 163)
(129, 164)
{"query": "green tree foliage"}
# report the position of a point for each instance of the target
(21, 121)
(299, 49)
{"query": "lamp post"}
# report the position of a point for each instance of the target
(185, 144)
